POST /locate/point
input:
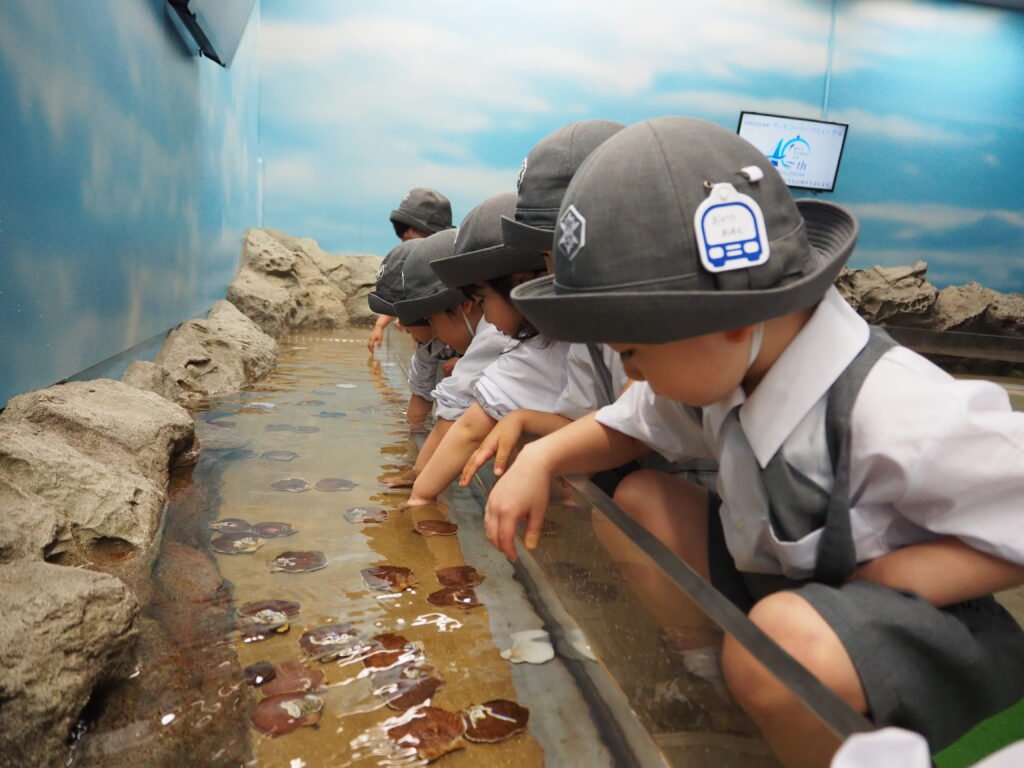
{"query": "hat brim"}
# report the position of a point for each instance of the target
(404, 218)
(410, 311)
(379, 305)
(657, 317)
(515, 234)
(474, 267)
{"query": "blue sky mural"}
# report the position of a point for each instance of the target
(129, 175)
(360, 102)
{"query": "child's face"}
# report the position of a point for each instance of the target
(499, 311)
(451, 329)
(697, 371)
(422, 333)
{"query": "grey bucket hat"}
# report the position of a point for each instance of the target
(629, 265)
(545, 174)
(424, 209)
(425, 294)
(390, 287)
(479, 254)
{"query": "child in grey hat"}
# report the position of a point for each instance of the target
(868, 504)
(421, 213)
(456, 320)
(530, 372)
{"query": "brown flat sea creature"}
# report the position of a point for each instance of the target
(313, 403)
(494, 720)
(389, 578)
(366, 515)
(288, 607)
(231, 525)
(304, 430)
(235, 543)
(435, 528)
(459, 576)
(263, 626)
(259, 673)
(407, 685)
(279, 428)
(292, 485)
(432, 732)
(332, 414)
(334, 484)
(298, 562)
(463, 597)
(273, 530)
(279, 455)
(292, 676)
(287, 712)
(385, 650)
(333, 641)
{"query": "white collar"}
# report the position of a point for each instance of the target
(801, 376)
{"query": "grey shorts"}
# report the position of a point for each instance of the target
(935, 671)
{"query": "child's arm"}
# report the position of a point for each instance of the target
(418, 410)
(582, 447)
(504, 438)
(943, 571)
(451, 455)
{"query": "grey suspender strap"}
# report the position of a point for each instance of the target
(837, 557)
(604, 376)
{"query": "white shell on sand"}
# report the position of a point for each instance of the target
(531, 646)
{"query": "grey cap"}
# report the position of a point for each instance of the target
(425, 294)
(424, 209)
(628, 266)
(479, 254)
(390, 287)
(545, 174)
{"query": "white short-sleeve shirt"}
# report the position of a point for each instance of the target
(930, 455)
(584, 391)
(528, 374)
(454, 394)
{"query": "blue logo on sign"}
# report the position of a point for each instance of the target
(791, 154)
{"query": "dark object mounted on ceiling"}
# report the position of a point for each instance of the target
(211, 27)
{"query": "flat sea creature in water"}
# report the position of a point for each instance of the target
(288, 607)
(459, 576)
(287, 712)
(386, 650)
(431, 731)
(334, 484)
(313, 403)
(279, 428)
(406, 685)
(304, 430)
(291, 485)
(345, 386)
(332, 414)
(257, 406)
(298, 562)
(222, 423)
(263, 625)
(243, 453)
(279, 455)
(389, 578)
(292, 676)
(333, 641)
(531, 646)
(435, 528)
(366, 515)
(273, 530)
(494, 720)
(463, 597)
(231, 525)
(235, 543)
(259, 673)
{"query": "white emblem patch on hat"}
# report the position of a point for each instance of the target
(522, 173)
(380, 271)
(730, 230)
(572, 232)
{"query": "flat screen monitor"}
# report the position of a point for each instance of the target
(805, 152)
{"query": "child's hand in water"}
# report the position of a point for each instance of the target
(500, 442)
(521, 494)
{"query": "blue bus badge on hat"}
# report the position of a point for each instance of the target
(730, 230)
(572, 229)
